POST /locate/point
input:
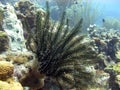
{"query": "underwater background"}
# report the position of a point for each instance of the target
(59, 45)
(104, 9)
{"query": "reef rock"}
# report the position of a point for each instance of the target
(26, 11)
(4, 41)
(13, 26)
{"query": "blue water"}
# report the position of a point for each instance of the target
(108, 8)
(111, 7)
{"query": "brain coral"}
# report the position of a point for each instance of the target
(10, 86)
(6, 69)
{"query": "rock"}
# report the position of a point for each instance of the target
(4, 41)
(13, 26)
(33, 79)
(26, 11)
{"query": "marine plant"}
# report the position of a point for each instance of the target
(63, 4)
(59, 7)
(1, 18)
(88, 10)
(61, 52)
(111, 23)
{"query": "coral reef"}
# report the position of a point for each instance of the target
(61, 52)
(24, 7)
(114, 71)
(37, 53)
(106, 42)
(22, 60)
(24, 69)
(26, 12)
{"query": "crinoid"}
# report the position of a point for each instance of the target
(59, 48)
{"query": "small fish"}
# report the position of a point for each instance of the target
(103, 20)
(81, 5)
(75, 2)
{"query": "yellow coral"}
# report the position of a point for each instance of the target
(17, 59)
(16, 86)
(20, 58)
(116, 68)
(6, 80)
(6, 69)
(4, 86)
(118, 54)
(10, 86)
